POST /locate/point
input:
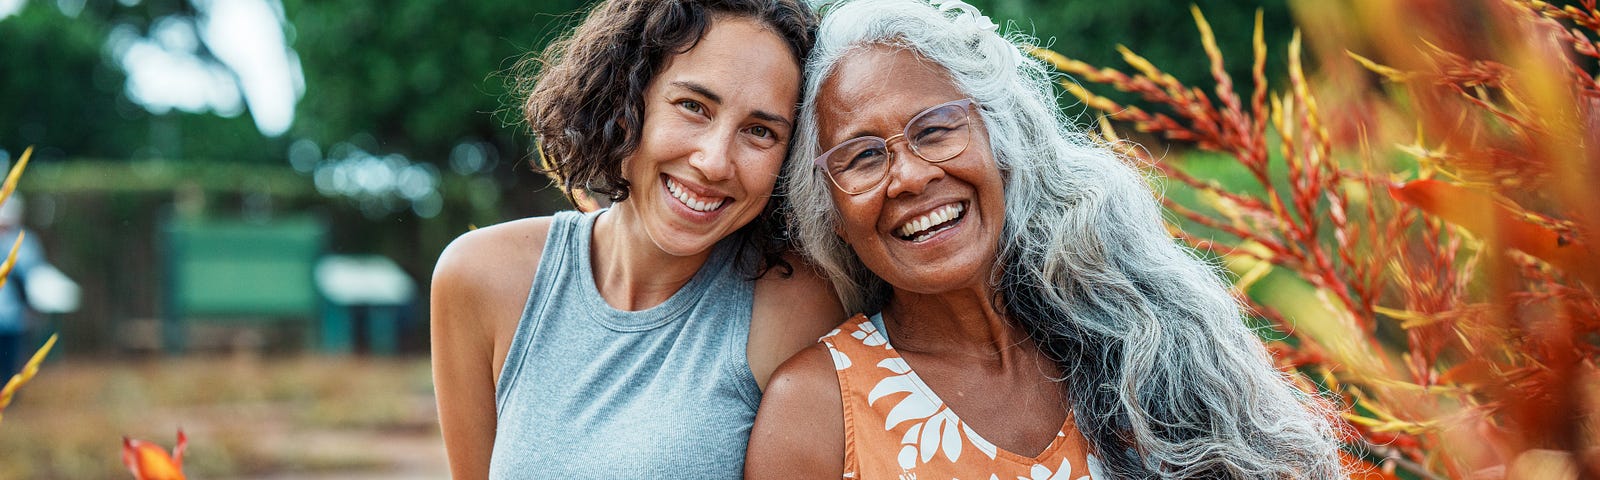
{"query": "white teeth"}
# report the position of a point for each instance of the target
(916, 227)
(690, 200)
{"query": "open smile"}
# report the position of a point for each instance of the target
(697, 202)
(924, 227)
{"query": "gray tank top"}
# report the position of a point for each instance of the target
(589, 391)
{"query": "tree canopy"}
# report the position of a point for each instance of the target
(419, 77)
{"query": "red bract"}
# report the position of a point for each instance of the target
(1432, 249)
(148, 461)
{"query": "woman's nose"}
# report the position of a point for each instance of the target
(908, 172)
(711, 157)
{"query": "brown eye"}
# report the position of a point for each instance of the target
(692, 106)
(761, 131)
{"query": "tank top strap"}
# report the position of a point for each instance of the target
(663, 392)
(858, 345)
(561, 246)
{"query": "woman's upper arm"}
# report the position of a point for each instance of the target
(799, 430)
(790, 313)
(479, 286)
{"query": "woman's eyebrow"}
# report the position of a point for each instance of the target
(771, 117)
(717, 99)
(700, 89)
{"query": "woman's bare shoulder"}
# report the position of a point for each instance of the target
(477, 292)
(516, 240)
(799, 430)
(790, 313)
(484, 275)
(808, 378)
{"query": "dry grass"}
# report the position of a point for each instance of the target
(245, 416)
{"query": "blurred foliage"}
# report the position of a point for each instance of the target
(1159, 30)
(64, 94)
(412, 78)
(38, 108)
(419, 75)
(1416, 221)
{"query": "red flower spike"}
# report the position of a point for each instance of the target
(1480, 214)
(148, 461)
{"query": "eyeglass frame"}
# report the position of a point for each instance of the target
(966, 111)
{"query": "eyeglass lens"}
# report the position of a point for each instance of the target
(936, 135)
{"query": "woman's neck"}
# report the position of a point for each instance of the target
(631, 272)
(963, 322)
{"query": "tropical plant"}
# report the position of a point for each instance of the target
(1422, 212)
(148, 461)
(32, 367)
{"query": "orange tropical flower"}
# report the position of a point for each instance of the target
(148, 461)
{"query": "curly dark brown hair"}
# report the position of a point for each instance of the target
(585, 92)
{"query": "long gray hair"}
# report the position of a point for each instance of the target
(1164, 377)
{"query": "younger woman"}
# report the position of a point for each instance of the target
(632, 342)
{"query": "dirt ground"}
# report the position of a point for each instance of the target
(246, 417)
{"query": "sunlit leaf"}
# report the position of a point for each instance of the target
(28, 371)
(148, 461)
(1495, 221)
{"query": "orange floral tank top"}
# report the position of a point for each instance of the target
(895, 427)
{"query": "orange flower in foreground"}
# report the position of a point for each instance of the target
(148, 461)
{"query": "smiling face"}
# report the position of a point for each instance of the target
(717, 121)
(927, 227)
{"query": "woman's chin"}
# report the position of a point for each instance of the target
(964, 272)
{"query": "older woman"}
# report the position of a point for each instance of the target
(1036, 320)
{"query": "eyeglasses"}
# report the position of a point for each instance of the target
(937, 134)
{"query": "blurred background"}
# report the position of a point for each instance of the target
(242, 201)
(383, 129)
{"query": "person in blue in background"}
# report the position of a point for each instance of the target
(13, 301)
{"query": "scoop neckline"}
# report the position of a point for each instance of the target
(1056, 444)
(655, 316)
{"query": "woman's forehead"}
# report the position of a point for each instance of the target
(874, 70)
(880, 83)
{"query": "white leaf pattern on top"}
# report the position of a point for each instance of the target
(937, 430)
(1041, 472)
(940, 433)
(908, 457)
(912, 407)
(840, 360)
(912, 434)
(933, 428)
(951, 443)
(869, 335)
(909, 409)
